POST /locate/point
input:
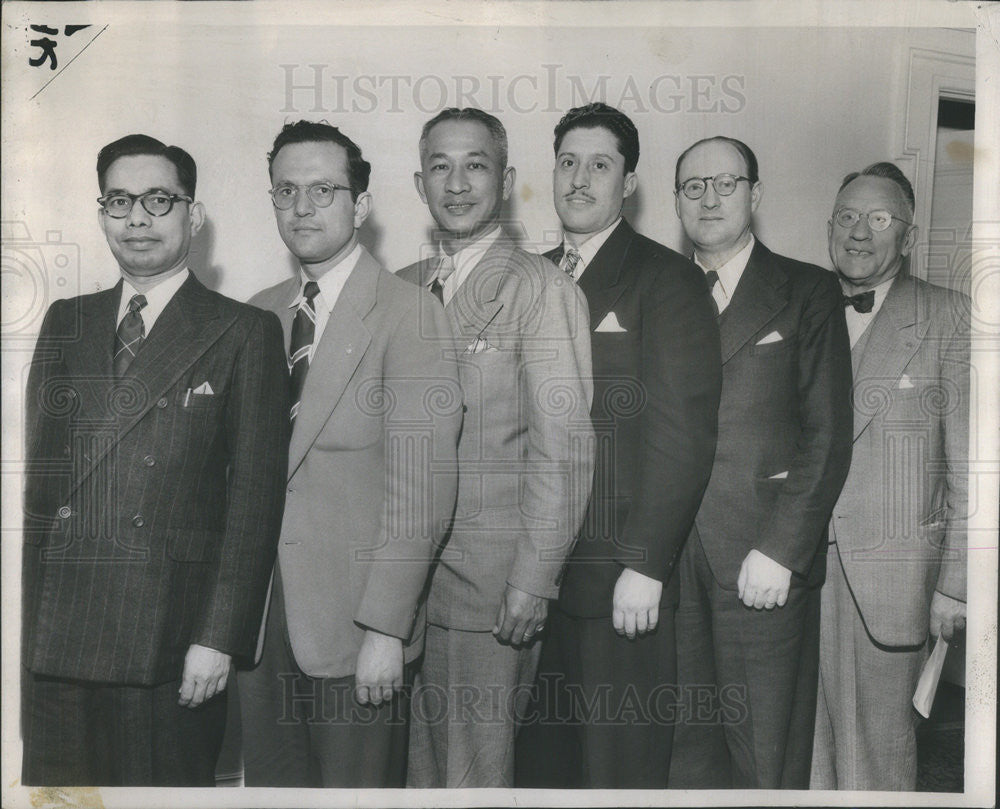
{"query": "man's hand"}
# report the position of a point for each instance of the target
(205, 674)
(520, 617)
(947, 615)
(379, 670)
(763, 583)
(636, 603)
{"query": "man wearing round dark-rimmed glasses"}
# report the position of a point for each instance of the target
(747, 620)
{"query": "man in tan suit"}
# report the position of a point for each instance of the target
(896, 569)
(376, 410)
(526, 458)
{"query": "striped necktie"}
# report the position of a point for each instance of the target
(303, 331)
(445, 268)
(570, 262)
(131, 332)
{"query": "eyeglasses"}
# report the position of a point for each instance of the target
(724, 185)
(320, 194)
(155, 203)
(877, 220)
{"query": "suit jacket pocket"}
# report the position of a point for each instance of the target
(193, 544)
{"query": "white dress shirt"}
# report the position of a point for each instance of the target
(588, 249)
(465, 261)
(857, 321)
(729, 274)
(330, 285)
(157, 298)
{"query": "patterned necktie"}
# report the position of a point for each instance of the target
(303, 331)
(128, 339)
(713, 278)
(570, 262)
(862, 302)
(445, 268)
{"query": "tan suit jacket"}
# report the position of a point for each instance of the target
(900, 523)
(526, 456)
(371, 482)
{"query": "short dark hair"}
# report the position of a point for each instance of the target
(606, 117)
(749, 158)
(886, 171)
(358, 169)
(492, 123)
(133, 145)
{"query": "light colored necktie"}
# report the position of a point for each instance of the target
(445, 268)
(303, 331)
(129, 336)
(570, 262)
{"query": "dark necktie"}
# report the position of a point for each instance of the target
(712, 277)
(445, 268)
(303, 332)
(862, 302)
(128, 339)
(570, 262)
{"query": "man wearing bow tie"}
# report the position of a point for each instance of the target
(657, 379)
(897, 562)
(521, 335)
(375, 413)
(156, 447)
(748, 623)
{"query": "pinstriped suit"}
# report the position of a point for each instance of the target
(151, 515)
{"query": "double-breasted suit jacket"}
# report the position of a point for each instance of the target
(151, 511)
(657, 379)
(371, 467)
(525, 459)
(784, 423)
(900, 524)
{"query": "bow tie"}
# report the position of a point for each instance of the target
(862, 302)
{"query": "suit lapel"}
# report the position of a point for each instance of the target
(183, 332)
(601, 282)
(89, 357)
(341, 348)
(895, 335)
(474, 306)
(759, 296)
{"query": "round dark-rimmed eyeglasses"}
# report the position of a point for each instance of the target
(724, 185)
(155, 203)
(877, 220)
(320, 194)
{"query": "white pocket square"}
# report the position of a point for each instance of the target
(204, 389)
(610, 323)
(779, 476)
(773, 337)
(905, 383)
(478, 346)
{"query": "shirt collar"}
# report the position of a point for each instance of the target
(468, 257)
(157, 297)
(331, 282)
(590, 248)
(731, 272)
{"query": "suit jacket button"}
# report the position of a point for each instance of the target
(162, 403)
(138, 521)
(465, 408)
(64, 512)
(149, 460)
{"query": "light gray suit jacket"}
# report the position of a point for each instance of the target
(526, 456)
(371, 480)
(900, 523)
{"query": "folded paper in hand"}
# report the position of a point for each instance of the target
(923, 697)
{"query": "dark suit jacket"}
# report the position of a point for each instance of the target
(371, 467)
(151, 515)
(526, 456)
(784, 421)
(657, 383)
